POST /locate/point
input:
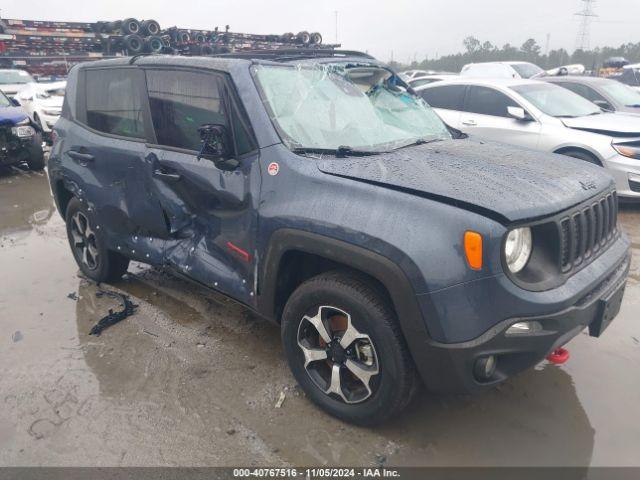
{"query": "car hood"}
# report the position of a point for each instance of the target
(11, 115)
(612, 124)
(506, 183)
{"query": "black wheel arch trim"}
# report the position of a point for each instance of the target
(384, 270)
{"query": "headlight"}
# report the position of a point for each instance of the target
(24, 121)
(52, 113)
(517, 248)
(630, 151)
(23, 131)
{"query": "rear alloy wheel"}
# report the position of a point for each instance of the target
(88, 246)
(345, 348)
(84, 241)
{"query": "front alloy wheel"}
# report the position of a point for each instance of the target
(345, 348)
(340, 360)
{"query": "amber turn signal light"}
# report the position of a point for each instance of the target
(473, 249)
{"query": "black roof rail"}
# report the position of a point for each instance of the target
(293, 53)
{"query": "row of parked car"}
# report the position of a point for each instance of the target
(28, 113)
(590, 118)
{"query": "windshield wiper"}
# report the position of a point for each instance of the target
(342, 151)
(420, 141)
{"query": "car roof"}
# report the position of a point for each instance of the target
(227, 62)
(489, 82)
(578, 79)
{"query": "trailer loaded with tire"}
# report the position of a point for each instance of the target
(48, 48)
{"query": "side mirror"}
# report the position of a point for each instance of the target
(215, 146)
(519, 114)
(603, 104)
(15, 102)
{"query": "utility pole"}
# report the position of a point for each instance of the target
(587, 14)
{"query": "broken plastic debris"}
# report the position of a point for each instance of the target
(128, 309)
(280, 399)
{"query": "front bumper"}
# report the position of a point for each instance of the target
(13, 149)
(449, 367)
(624, 170)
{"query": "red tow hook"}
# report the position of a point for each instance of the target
(559, 356)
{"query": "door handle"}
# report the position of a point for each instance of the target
(167, 176)
(80, 156)
(469, 123)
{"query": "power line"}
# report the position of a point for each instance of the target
(583, 40)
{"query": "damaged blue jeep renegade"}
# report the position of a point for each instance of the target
(322, 194)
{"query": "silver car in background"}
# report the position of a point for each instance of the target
(604, 92)
(545, 117)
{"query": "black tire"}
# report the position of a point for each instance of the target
(288, 37)
(150, 27)
(183, 37)
(112, 27)
(108, 266)
(35, 161)
(134, 44)
(206, 50)
(199, 38)
(130, 26)
(582, 155)
(153, 44)
(394, 384)
(316, 38)
(303, 37)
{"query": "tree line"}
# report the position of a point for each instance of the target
(529, 51)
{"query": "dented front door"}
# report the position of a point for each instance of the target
(211, 214)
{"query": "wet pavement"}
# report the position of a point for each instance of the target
(193, 379)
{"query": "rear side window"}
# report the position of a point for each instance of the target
(448, 97)
(180, 103)
(487, 101)
(113, 102)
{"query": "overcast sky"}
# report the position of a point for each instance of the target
(406, 27)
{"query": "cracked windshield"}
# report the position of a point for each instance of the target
(362, 108)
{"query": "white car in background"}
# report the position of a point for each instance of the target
(502, 70)
(12, 81)
(423, 80)
(43, 103)
(409, 74)
(542, 116)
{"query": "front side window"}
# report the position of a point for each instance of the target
(326, 107)
(557, 101)
(113, 102)
(181, 102)
(487, 101)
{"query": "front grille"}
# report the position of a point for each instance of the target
(587, 230)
